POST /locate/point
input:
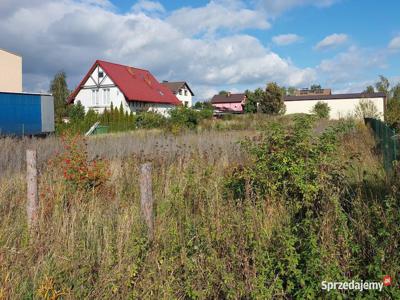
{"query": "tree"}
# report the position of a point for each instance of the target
(59, 89)
(321, 109)
(383, 85)
(272, 102)
(76, 112)
(203, 105)
(315, 87)
(252, 100)
(395, 92)
(393, 108)
(290, 90)
(223, 93)
(369, 90)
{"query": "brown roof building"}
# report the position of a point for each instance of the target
(229, 102)
(182, 91)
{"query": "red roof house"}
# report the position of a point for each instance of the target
(135, 88)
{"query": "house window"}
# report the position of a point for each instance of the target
(186, 103)
(180, 92)
(101, 74)
(185, 92)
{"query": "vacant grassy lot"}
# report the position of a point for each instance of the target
(213, 239)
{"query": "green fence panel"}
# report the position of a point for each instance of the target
(386, 140)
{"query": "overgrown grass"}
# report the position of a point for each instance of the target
(207, 244)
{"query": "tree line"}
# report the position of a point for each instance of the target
(269, 101)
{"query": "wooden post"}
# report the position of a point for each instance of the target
(32, 205)
(146, 198)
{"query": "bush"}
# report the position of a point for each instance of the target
(77, 170)
(184, 117)
(393, 114)
(150, 120)
(293, 168)
(321, 109)
(366, 109)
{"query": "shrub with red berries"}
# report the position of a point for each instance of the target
(77, 169)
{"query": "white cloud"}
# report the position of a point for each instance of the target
(148, 6)
(286, 39)
(70, 35)
(276, 7)
(395, 43)
(351, 65)
(332, 41)
(217, 15)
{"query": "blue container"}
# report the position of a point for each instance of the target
(26, 114)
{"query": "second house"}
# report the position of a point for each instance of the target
(135, 89)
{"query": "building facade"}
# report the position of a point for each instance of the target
(10, 72)
(118, 85)
(229, 102)
(341, 105)
(181, 90)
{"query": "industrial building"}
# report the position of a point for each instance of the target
(10, 72)
(21, 113)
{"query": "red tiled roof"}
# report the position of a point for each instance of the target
(135, 84)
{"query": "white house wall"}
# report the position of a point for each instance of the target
(116, 98)
(340, 108)
(185, 99)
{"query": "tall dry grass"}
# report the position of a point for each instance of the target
(92, 244)
(144, 143)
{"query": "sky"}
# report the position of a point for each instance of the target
(214, 45)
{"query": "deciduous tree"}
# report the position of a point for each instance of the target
(272, 102)
(59, 89)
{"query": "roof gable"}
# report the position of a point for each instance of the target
(135, 84)
(176, 86)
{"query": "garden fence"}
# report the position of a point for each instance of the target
(387, 142)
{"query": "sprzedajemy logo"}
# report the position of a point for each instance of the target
(357, 285)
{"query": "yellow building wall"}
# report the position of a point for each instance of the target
(10, 72)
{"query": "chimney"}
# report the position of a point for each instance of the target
(164, 81)
(228, 94)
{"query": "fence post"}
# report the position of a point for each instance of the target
(32, 205)
(146, 198)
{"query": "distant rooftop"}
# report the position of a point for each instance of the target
(228, 98)
(334, 96)
(303, 92)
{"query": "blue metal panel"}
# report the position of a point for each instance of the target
(20, 114)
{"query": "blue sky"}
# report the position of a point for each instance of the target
(220, 44)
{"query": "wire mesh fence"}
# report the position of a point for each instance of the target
(387, 141)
